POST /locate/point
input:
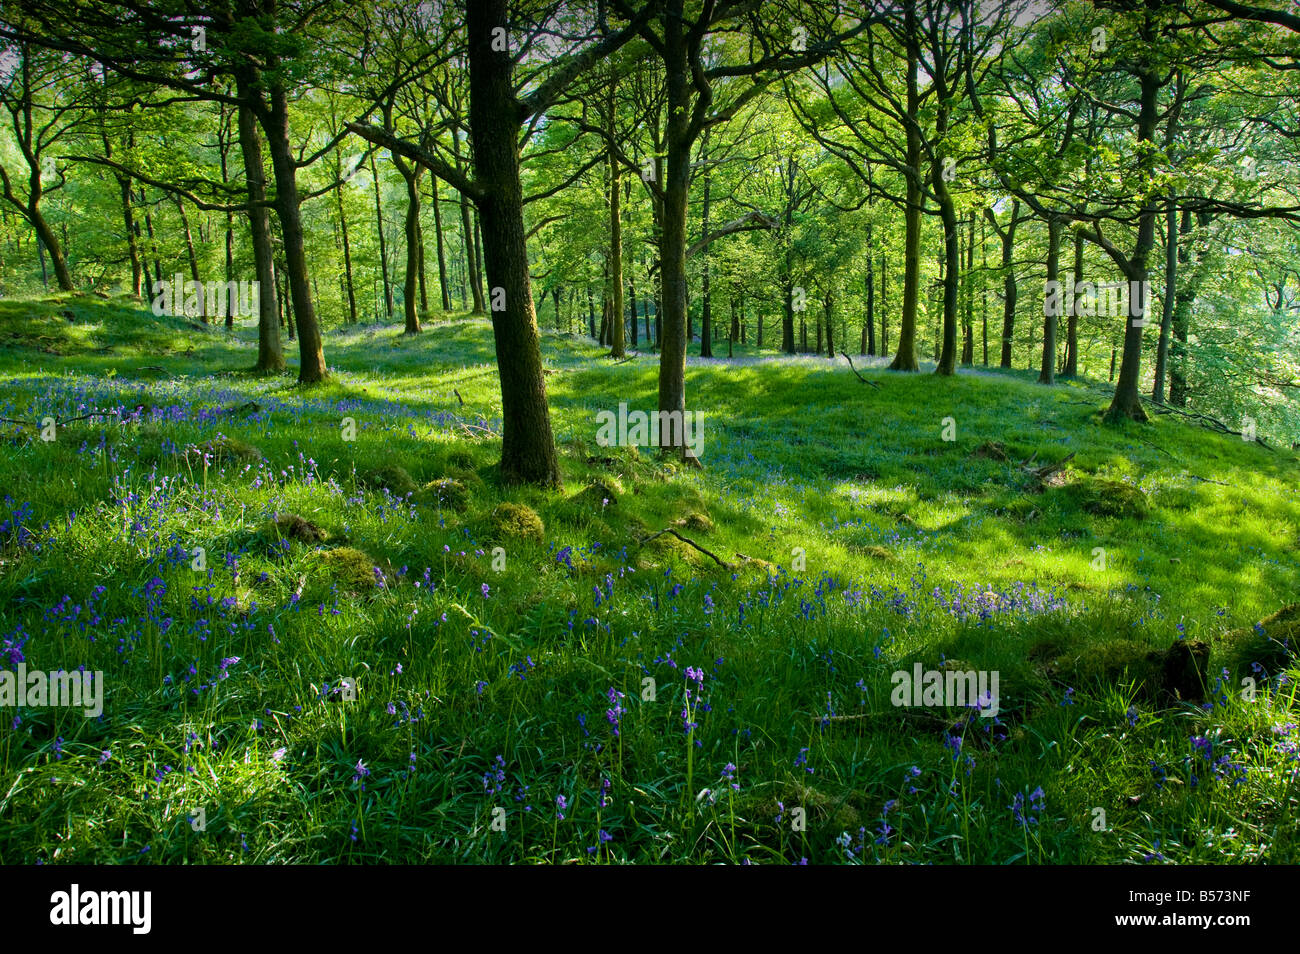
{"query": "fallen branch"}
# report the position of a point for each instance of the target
(1041, 474)
(855, 371)
(58, 422)
(1158, 447)
(688, 540)
(458, 397)
(1210, 423)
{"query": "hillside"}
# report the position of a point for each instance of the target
(312, 640)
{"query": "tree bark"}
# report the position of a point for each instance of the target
(347, 247)
(527, 445)
(383, 249)
(311, 353)
(905, 359)
(1071, 368)
(1127, 402)
(193, 258)
(270, 352)
(444, 291)
(1047, 370)
(618, 348)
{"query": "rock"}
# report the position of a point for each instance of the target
(1109, 498)
(293, 527)
(393, 478)
(1273, 642)
(446, 494)
(517, 522)
(1177, 673)
(696, 522)
(350, 568)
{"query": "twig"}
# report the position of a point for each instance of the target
(712, 556)
(855, 371)
(458, 397)
(1158, 447)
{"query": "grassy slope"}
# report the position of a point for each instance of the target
(223, 684)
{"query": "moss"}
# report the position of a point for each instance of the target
(290, 526)
(599, 494)
(1179, 672)
(516, 522)
(1109, 498)
(446, 494)
(392, 477)
(697, 522)
(461, 460)
(350, 568)
(1273, 642)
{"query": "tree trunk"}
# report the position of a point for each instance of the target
(828, 306)
(1009, 287)
(1182, 319)
(383, 249)
(311, 353)
(193, 259)
(618, 347)
(527, 445)
(1070, 367)
(1047, 371)
(905, 359)
(132, 231)
(947, 363)
(347, 253)
(444, 291)
(1127, 402)
(884, 312)
(270, 352)
(411, 176)
(968, 341)
(984, 291)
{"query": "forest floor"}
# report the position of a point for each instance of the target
(317, 648)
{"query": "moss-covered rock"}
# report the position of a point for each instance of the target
(696, 522)
(598, 495)
(461, 460)
(1273, 642)
(510, 521)
(1109, 498)
(446, 494)
(348, 567)
(290, 526)
(391, 477)
(1180, 672)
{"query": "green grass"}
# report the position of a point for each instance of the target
(859, 542)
